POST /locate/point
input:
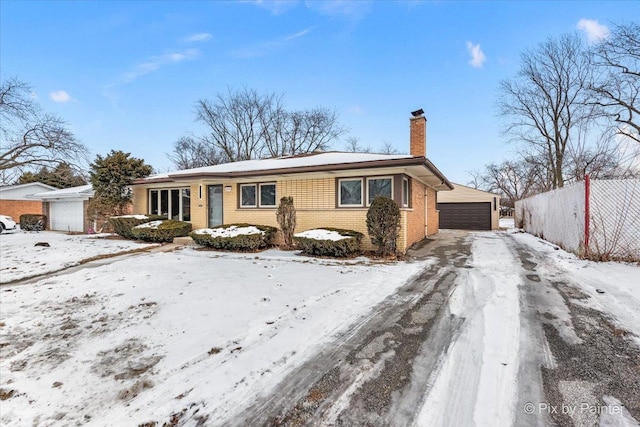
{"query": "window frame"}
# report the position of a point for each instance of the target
(259, 195)
(406, 202)
(362, 196)
(370, 178)
(168, 191)
(243, 206)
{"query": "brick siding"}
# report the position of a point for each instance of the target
(15, 208)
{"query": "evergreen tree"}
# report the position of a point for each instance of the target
(62, 176)
(111, 177)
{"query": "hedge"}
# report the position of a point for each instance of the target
(32, 222)
(122, 225)
(332, 248)
(239, 243)
(161, 230)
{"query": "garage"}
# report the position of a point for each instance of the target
(466, 208)
(65, 209)
(465, 216)
(66, 216)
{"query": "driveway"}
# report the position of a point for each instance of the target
(480, 339)
(485, 329)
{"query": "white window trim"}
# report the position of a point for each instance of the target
(259, 195)
(405, 203)
(168, 190)
(359, 205)
(378, 177)
(255, 205)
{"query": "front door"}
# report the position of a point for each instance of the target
(215, 205)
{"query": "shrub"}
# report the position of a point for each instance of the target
(32, 222)
(230, 237)
(161, 231)
(334, 248)
(383, 224)
(286, 216)
(123, 225)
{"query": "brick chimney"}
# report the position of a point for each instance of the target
(418, 134)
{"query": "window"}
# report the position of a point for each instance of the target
(267, 195)
(350, 192)
(379, 187)
(248, 196)
(174, 203)
(405, 192)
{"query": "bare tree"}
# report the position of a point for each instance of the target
(387, 148)
(513, 180)
(190, 152)
(352, 145)
(545, 103)
(245, 125)
(617, 87)
(30, 138)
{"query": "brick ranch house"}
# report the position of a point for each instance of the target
(329, 189)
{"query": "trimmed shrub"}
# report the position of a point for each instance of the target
(237, 243)
(332, 248)
(161, 231)
(383, 224)
(286, 217)
(122, 225)
(32, 222)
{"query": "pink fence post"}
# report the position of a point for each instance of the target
(587, 189)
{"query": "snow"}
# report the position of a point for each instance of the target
(480, 366)
(314, 159)
(137, 216)
(231, 231)
(507, 222)
(619, 281)
(322, 234)
(150, 224)
(21, 259)
(174, 329)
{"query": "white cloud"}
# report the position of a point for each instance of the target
(60, 96)
(276, 7)
(350, 9)
(594, 30)
(155, 62)
(477, 56)
(263, 48)
(198, 37)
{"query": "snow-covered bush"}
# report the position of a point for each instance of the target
(235, 237)
(333, 242)
(161, 230)
(122, 225)
(383, 224)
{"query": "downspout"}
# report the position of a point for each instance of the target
(587, 215)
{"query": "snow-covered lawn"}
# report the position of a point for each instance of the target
(142, 338)
(20, 258)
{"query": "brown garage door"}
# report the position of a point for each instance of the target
(465, 216)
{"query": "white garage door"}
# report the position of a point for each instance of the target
(66, 216)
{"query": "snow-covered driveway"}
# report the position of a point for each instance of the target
(482, 329)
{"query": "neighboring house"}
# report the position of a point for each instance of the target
(466, 208)
(66, 209)
(330, 189)
(14, 200)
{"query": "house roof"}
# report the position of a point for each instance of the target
(82, 191)
(456, 185)
(311, 162)
(30, 184)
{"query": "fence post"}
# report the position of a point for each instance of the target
(587, 216)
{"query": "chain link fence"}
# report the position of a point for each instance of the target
(614, 218)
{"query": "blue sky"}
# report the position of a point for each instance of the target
(126, 75)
